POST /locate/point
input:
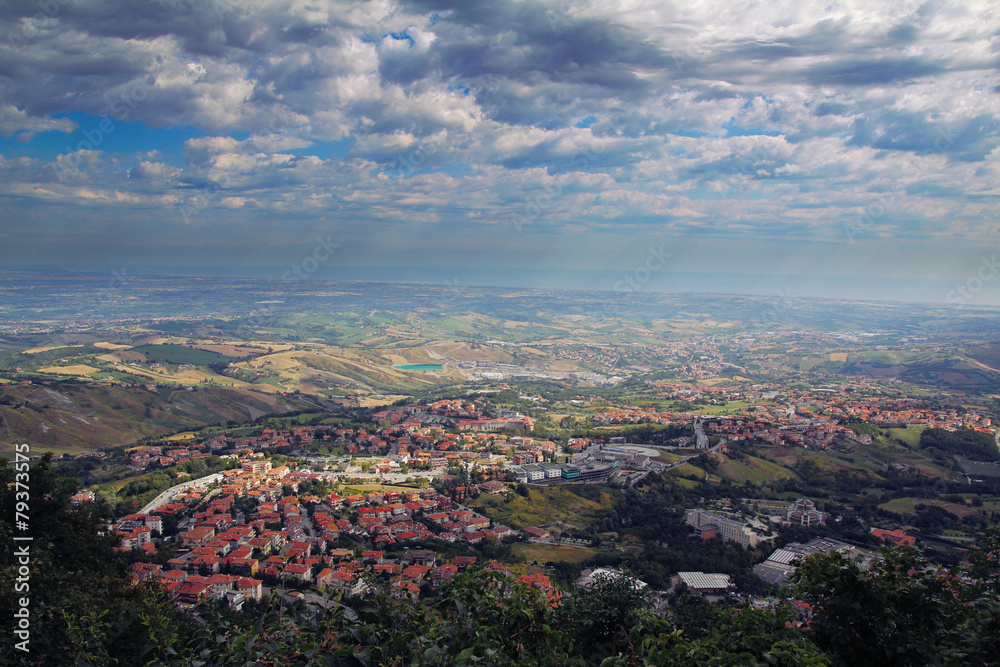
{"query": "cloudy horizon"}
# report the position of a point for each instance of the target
(827, 149)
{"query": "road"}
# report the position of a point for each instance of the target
(635, 478)
(701, 440)
(168, 495)
(312, 599)
(685, 459)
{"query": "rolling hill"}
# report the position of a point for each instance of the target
(72, 418)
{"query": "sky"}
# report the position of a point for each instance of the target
(836, 149)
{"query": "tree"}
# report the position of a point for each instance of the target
(899, 611)
(719, 635)
(605, 615)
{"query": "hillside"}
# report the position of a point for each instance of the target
(72, 418)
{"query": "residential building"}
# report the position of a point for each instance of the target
(708, 524)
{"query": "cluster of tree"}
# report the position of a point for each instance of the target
(655, 517)
(966, 443)
(11, 360)
(862, 427)
(902, 611)
(706, 462)
(820, 482)
(739, 450)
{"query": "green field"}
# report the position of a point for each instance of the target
(687, 470)
(731, 408)
(667, 457)
(274, 382)
(543, 553)
(382, 318)
(120, 377)
(181, 354)
(547, 506)
(753, 469)
(909, 435)
(908, 506)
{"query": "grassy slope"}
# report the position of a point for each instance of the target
(547, 506)
(753, 469)
(543, 553)
(77, 418)
(908, 506)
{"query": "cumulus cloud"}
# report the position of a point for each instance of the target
(15, 122)
(743, 120)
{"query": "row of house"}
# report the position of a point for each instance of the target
(191, 589)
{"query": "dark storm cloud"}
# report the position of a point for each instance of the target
(531, 43)
(864, 72)
(969, 140)
(831, 109)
